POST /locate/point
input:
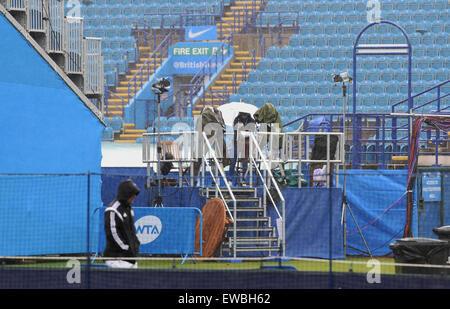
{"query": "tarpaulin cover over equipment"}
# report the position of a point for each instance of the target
(211, 115)
(215, 226)
(268, 114)
(420, 251)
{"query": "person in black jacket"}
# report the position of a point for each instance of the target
(121, 239)
(243, 122)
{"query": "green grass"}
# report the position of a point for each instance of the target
(357, 265)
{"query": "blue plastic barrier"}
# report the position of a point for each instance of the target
(162, 230)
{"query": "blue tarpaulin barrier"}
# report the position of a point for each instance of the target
(378, 201)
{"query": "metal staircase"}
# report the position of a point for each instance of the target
(252, 230)
(255, 232)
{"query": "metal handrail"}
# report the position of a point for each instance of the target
(133, 81)
(222, 173)
(198, 80)
(109, 92)
(272, 178)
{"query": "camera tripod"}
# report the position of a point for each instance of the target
(345, 204)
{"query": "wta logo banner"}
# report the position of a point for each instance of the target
(148, 228)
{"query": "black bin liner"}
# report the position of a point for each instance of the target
(420, 251)
(443, 232)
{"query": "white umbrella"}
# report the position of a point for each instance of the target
(231, 110)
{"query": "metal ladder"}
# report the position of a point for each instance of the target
(255, 232)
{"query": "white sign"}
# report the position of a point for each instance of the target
(148, 229)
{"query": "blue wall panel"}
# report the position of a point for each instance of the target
(45, 128)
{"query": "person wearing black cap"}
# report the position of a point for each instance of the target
(121, 239)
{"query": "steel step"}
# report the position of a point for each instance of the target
(249, 209)
(269, 229)
(241, 199)
(253, 249)
(250, 240)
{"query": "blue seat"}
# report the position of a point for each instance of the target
(324, 52)
(254, 76)
(342, 64)
(312, 17)
(339, 52)
(387, 75)
(288, 63)
(295, 88)
(256, 88)
(244, 88)
(428, 75)
(286, 100)
(156, 21)
(315, 63)
(273, 52)
(275, 64)
(292, 75)
(307, 40)
(264, 64)
(312, 52)
(323, 88)
(400, 75)
(284, 88)
(259, 100)
(299, 52)
(294, 40)
(300, 100)
(433, 50)
(326, 17)
(391, 88)
(108, 134)
(279, 76)
(317, 29)
(368, 99)
(421, 62)
(367, 62)
(338, 17)
(275, 99)
(116, 124)
(355, 28)
(347, 40)
(444, 51)
(372, 75)
(272, 6)
(305, 29)
(330, 28)
(377, 87)
(364, 87)
(235, 97)
(441, 38)
(314, 100)
(343, 28)
(321, 7)
(307, 76)
(442, 74)
(328, 64)
(266, 76)
(426, 5)
(320, 40)
(441, 5)
(309, 88)
(302, 64)
(286, 51)
(269, 88)
(320, 75)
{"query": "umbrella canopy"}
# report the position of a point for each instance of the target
(231, 110)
